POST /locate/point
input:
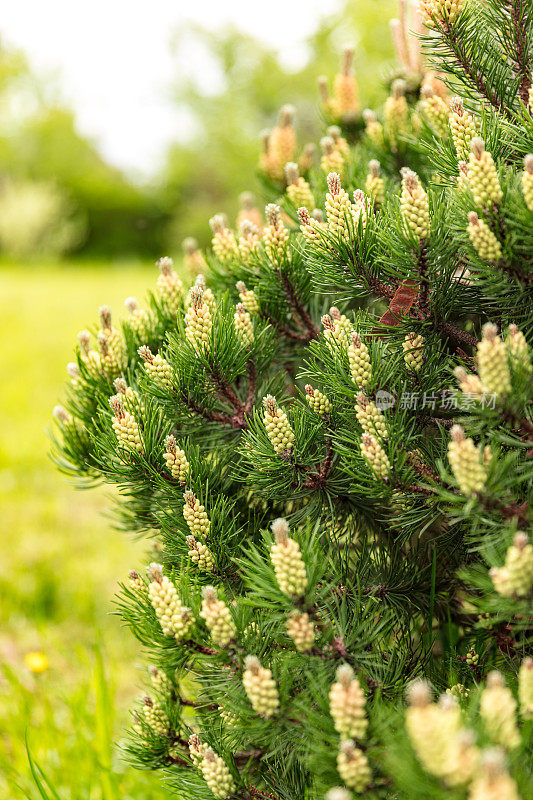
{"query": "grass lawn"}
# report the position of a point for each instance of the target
(61, 560)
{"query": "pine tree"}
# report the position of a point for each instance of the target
(330, 438)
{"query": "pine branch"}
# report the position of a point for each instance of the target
(454, 333)
(192, 704)
(294, 300)
(415, 487)
(459, 50)
(514, 272)
(421, 468)
(294, 335)
(200, 648)
(379, 288)
(227, 393)
(423, 266)
(208, 414)
(519, 423)
(317, 479)
(253, 793)
(522, 58)
(252, 378)
(243, 756)
(446, 423)
(510, 511)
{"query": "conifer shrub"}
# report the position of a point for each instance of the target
(328, 440)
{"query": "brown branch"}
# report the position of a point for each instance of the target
(225, 389)
(376, 287)
(508, 510)
(184, 744)
(423, 296)
(242, 756)
(422, 469)
(299, 337)
(522, 424)
(193, 704)
(316, 480)
(446, 423)
(212, 416)
(225, 392)
(252, 378)
(253, 793)
(326, 464)
(415, 487)
(379, 590)
(526, 426)
(453, 332)
(294, 300)
(459, 51)
(526, 280)
(521, 60)
(380, 289)
(520, 512)
(200, 648)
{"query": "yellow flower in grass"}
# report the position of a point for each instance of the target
(36, 662)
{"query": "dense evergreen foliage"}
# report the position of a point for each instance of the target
(329, 440)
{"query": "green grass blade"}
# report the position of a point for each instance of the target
(104, 728)
(38, 774)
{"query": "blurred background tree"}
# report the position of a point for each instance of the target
(54, 178)
(78, 203)
(120, 217)
(207, 173)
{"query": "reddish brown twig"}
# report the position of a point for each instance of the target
(458, 49)
(316, 480)
(454, 333)
(208, 414)
(295, 335)
(294, 300)
(252, 377)
(522, 62)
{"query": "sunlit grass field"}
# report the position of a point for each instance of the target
(60, 558)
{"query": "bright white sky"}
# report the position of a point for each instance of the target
(114, 64)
